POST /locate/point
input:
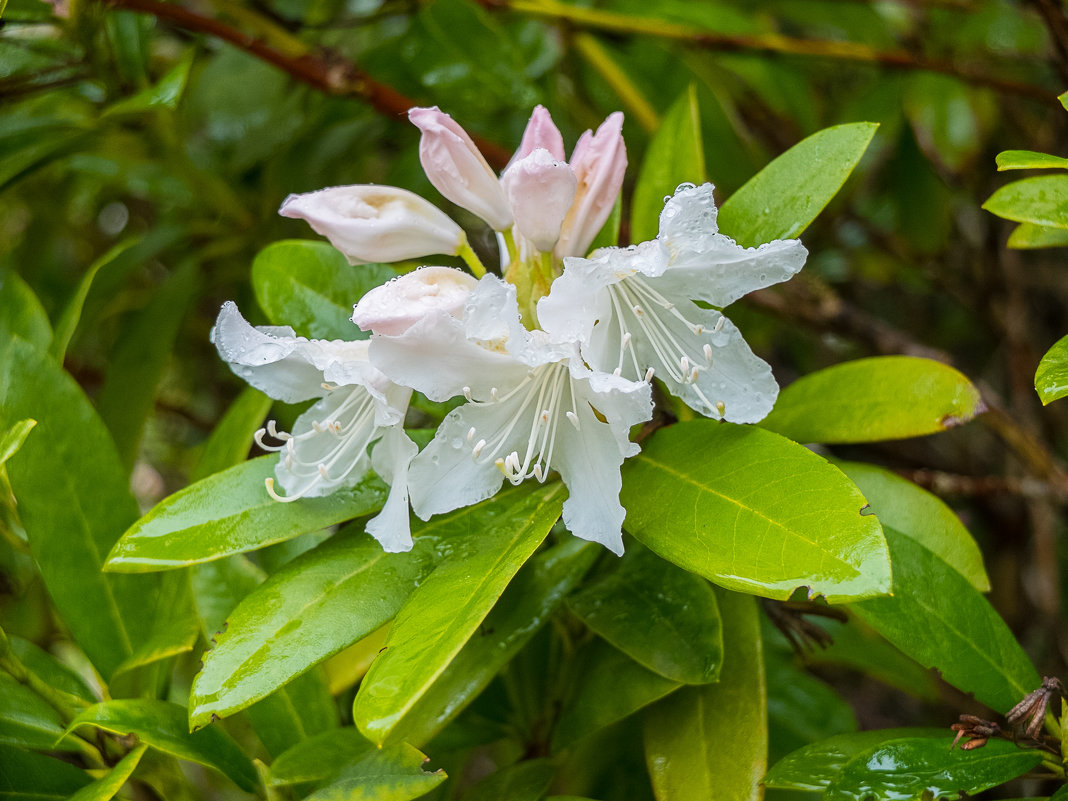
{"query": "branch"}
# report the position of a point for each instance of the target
(323, 70)
(942, 483)
(593, 18)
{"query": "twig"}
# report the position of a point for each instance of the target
(598, 19)
(942, 483)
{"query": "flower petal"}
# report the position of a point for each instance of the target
(398, 304)
(540, 190)
(542, 132)
(391, 458)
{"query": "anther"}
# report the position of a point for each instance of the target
(467, 393)
(470, 433)
(698, 329)
(684, 363)
(638, 310)
(719, 325)
(708, 353)
(544, 417)
(477, 450)
(648, 375)
(317, 427)
(538, 474)
(693, 375)
(494, 395)
(617, 371)
(573, 419)
(626, 340)
(721, 407)
(323, 473)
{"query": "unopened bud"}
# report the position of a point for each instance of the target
(540, 190)
(393, 308)
(541, 132)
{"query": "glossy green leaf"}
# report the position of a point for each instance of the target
(53, 672)
(229, 443)
(816, 766)
(292, 713)
(927, 767)
(526, 605)
(13, 438)
(1029, 160)
(940, 620)
(801, 707)
(21, 313)
(165, 94)
(26, 776)
(1042, 200)
(918, 514)
(753, 512)
(169, 638)
(74, 501)
(27, 720)
(313, 607)
(523, 781)
(486, 546)
(105, 788)
(868, 400)
(138, 362)
(597, 700)
(219, 586)
(163, 726)
(712, 741)
(675, 155)
(659, 615)
(320, 757)
(781, 200)
(231, 512)
(1051, 378)
(1028, 236)
(389, 774)
(311, 287)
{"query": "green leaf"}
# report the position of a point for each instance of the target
(781, 200)
(816, 766)
(712, 741)
(526, 605)
(1029, 160)
(1051, 378)
(73, 500)
(660, 616)
(72, 312)
(13, 438)
(524, 781)
(754, 512)
(29, 144)
(918, 514)
(25, 776)
(313, 607)
(940, 620)
(21, 313)
(231, 512)
(27, 720)
(162, 725)
(489, 543)
(927, 767)
(1028, 236)
(139, 360)
(105, 788)
(311, 287)
(229, 443)
(219, 586)
(947, 118)
(597, 701)
(675, 155)
(165, 94)
(389, 774)
(171, 637)
(868, 400)
(1042, 200)
(291, 713)
(50, 670)
(320, 757)
(801, 707)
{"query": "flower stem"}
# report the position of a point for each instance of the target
(471, 259)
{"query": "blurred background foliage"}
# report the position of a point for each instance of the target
(145, 147)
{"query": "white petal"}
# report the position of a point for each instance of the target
(690, 212)
(391, 459)
(539, 190)
(395, 306)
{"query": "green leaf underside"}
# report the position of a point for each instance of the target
(313, 607)
(484, 547)
(1029, 160)
(105, 788)
(162, 725)
(21, 312)
(74, 499)
(1028, 236)
(754, 512)
(389, 774)
(712, 741)
(869, 400)
(231, 512)
(940, 620)
(26, 776)
(319, 757)
(525, 606)
(609, 686)
(309, 286)
(1042, 200)
(659, 615)
(918, 514)
(1051, 378)
(781, 200)
(674, 156)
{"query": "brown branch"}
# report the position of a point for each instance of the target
(942, 483)
(322, 70)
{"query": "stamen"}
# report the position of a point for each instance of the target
(538, 474)
(323, 473)
(626, 339)
(477, 450)
(617, 371)
(719, 325)
(272, 429)
(649, 375)
(708, 353)
(721, 407)
(699, 329)
(684, 363)
(544, 417)
(470, 433)
(638, 310)
(467, 393)
(269, 483)
(573, 419)
(494, 395)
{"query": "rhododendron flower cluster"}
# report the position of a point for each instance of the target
(554, 358)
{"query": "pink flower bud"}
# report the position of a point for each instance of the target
(393, 308)
(540, 190)
(541, 132)
(457, 169)
(599, 162)
(370, 223)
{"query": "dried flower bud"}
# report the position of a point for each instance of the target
(540, 190)
(393, 308)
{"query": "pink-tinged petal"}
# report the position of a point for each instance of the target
(457, 169)
(393, 308)
(541, 132)
(540, 190)
(599, 162)
(370, 223)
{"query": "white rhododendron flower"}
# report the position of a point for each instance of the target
(633, 310)
(532, 407)
(328, 448)
(399, 304)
